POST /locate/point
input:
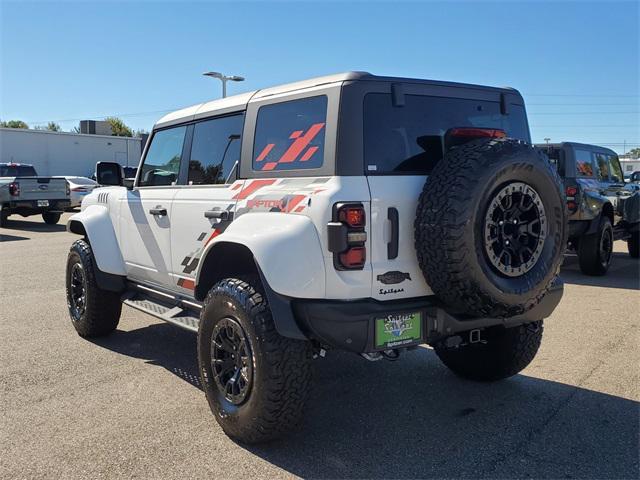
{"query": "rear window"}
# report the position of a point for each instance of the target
(290, 135)
(409, 139)
(17, 171)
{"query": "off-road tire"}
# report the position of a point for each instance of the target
(591, 259)
(281, 366)
(449, 227)
(51, 218)
(102, 308)
(633, 244)
(507, 352)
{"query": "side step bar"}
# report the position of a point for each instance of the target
(162, 306)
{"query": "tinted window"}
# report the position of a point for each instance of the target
(214, 150)
(602, 162)
(410, 138)
(290, 135)
(17, 171)
(615, 169)
(162, 163)
(584, 163)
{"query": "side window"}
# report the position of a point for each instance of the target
(290, 135)
(616, 169)
(584, 163)
(214, 150)
(162, 163)
(602, 163)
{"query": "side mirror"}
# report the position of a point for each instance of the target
(109, 173)
(128, 182)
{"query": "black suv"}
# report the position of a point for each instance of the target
(595, 194)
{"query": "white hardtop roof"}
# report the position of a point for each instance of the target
(237, 102)
(229, 104)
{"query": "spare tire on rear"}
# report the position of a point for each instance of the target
(490, 227)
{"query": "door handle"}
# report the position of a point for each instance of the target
(392, 246)
(158, 211)
(223, 215)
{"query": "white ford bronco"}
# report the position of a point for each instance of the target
(355, 212)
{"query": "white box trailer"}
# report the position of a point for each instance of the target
(62, 153)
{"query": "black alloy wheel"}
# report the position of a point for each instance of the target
(231, 361)
(515, 229)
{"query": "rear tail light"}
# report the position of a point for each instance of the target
(67, 188)
(14, 189)
(354, 258)
(571, 193)
(79, 189)
(353, 216)
(347, 236)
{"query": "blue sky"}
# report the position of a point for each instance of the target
(576, 63)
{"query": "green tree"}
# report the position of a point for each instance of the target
(14, 124)
(634, 152)
(118, 127)
(53, 127)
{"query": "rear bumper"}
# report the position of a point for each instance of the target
(30, 207)
(350, 325)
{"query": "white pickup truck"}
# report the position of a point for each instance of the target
(23, 192)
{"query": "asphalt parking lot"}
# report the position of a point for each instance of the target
(130, 404)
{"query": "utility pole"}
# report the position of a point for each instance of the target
(224, 78)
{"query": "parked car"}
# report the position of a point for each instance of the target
(24, 193)
(595, 191)
(79, 187)
(354, 212)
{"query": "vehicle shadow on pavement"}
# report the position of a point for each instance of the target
(29, 226)
(414, 419)
(11, 238)
(158, 344)
(624, 272)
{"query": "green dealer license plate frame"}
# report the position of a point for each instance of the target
(398, 330)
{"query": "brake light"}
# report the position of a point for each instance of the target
(354, 258)
(353, 216)
(347, 236)
(67, 188)
(79, 189)
(14, 189)
(571, 191)
(478, 132)
(572, 206)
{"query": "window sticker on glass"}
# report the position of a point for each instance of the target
(290, 135)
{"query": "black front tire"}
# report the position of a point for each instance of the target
(633, 244)
(595, 250)
(51, 218)
(507, 352)
(93, 311)
(276, 388)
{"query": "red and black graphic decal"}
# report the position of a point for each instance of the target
(252, 187)
(187, 283)
(292, 154)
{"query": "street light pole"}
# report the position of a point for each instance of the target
(224, 78)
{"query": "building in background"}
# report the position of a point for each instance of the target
(61, 153)
(629, 164)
